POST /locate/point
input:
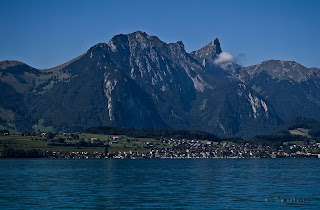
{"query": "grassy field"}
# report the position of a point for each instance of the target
(123, 143)
(41, 127)
(300, 131)
(120, 143)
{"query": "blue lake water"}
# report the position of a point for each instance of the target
(159, 183)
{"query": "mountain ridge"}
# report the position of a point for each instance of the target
(136, 80)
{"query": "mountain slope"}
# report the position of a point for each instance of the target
(236, 106)
(201, 98)
(291, 88)
(97, 94)
(139, 81)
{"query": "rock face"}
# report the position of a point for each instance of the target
(291, 88)
(208, 53)
(137, 80)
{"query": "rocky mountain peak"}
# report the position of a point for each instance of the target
(209, 52)
(283, 70)
(215, 42)
(133, 41)
(141, 33)
(117, 42)
(98, 47)
(180, 44)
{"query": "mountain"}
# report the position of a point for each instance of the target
(136, 80)
(291, 88)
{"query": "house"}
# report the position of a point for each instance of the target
(6, 134)
(94, 140)
(115, 138)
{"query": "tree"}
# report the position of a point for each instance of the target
(106, 149)
(50, 135)
(76, 136)
(61, 140)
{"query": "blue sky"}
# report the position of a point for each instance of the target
(47, 33)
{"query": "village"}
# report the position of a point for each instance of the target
(87, 145)
(183, 148)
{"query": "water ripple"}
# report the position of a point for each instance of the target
(158, 183)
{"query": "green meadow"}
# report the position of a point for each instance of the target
(123, 143)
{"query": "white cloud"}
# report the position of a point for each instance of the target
(224, 60)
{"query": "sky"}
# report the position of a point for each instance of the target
(45, 34)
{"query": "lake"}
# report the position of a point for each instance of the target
(159, 183)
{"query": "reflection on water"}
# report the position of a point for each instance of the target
(164, 183)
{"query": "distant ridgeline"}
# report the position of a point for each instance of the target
(287, 133)
(311, 125)
(152, 133)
